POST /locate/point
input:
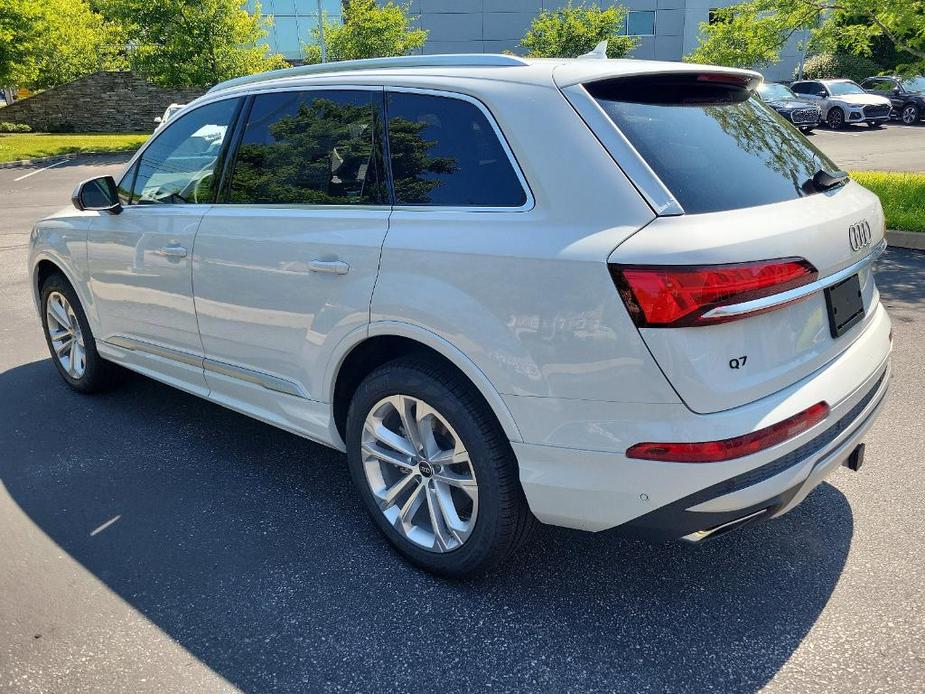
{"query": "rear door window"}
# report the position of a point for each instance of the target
(445, 152)
(313, 147)
(713, 144)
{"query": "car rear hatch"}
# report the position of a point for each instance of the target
(758, 270)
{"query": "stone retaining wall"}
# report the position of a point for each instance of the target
(101, 102)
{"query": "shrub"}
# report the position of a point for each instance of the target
(836, 65)
(14, 128)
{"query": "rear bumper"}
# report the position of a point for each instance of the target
(770, 490)
(602, 489)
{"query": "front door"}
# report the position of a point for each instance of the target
(140, 261)
(284, 268)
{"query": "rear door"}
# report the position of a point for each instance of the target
(285, 264)
(753, 225)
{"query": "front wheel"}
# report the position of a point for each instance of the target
(434, 469)
(835, 118)
(69, 339)
(910, 114)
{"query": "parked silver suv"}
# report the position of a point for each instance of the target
(844, 102)
(597, 293)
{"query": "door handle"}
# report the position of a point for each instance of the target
(337, 267)
(173, 250)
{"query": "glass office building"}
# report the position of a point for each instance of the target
(666, 29)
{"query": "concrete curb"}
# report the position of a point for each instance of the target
(56, 158)
(906, 239)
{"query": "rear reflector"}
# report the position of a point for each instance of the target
(727, 449)
(674, 296)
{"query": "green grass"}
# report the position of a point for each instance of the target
(15, 146)
(902, 195)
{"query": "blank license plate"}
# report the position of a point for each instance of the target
(846, 307)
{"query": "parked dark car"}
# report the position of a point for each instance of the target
(907, 94)
(802, 113)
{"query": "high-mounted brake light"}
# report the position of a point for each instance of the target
(724, 77)
(737, 447)
(674, 296)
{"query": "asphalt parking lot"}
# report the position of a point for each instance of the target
(153, 542)
(893, 147)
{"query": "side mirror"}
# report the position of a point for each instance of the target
(821, 94)
(99, 194)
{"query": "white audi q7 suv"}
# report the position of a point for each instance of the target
(594, 293)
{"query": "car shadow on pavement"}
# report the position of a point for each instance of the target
(901, 278)
(248, 547)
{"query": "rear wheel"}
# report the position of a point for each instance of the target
(835, 118)
(910, 114)
(69, 339)
(434, 469)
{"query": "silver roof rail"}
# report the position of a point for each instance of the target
(448, 60)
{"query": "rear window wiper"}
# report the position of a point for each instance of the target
(823, 180)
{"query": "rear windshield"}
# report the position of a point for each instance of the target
(714, 145)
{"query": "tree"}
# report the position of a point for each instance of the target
(831, 65)
(368, 31)
(193, 43)
(20, 34)
(44, 43)
(576, 29)
(76, 41)
(751, 34)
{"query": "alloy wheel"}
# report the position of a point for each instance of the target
(65, 335)
(419, 473)
(835, 119)
(910, 115)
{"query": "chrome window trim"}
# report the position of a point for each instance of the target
(529, 202)
(775, 300)
(621, 150)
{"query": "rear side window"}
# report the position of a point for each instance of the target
(444, 152)
(713, 144)
(315, 147)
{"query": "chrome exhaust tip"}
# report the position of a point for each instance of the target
(701, 535)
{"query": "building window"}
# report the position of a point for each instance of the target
(640, 23)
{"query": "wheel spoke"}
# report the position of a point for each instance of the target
(437, 520)
(387, 457)
(411, 505)
(59, 314)
(64, 344)
(409, 422)
(384, 435)
(453, 456)
(392, 493)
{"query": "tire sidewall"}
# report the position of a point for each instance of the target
(406, 380)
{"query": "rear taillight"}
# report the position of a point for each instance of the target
(727, 449)
(674, 296)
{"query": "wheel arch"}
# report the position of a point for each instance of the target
(44, 265)
(384, 341)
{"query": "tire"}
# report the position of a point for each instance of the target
(86, 373)
(910, 114)
(498, 518)
(835, 118)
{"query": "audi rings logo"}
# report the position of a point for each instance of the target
(859, 235)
